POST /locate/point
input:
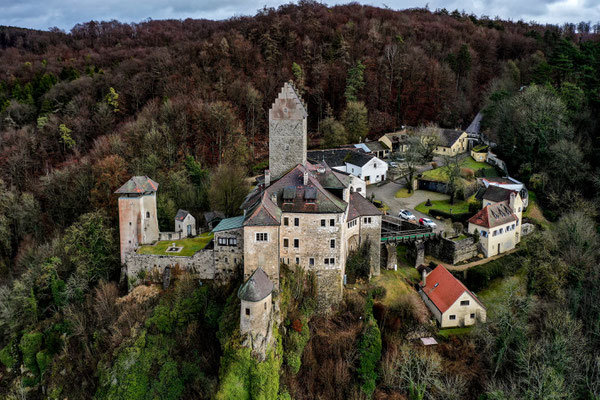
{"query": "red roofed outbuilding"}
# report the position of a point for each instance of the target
(449, 300)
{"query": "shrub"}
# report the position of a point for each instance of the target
(458, 217)
(243, 377)
(379, 292)
(474, 206)
(7, 356)
(259, 168)
(467, 172)
(480, 276)
(43, 359)
(31, 344)
(369, 350)
(294, 345)
(358, 264)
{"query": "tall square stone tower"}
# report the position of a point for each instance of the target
(287, 132)
(138, 221)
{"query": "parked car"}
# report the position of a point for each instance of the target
(393, 164)
(406, 215)
(427, 222)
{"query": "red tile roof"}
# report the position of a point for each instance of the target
(493, 215)
(443, 289)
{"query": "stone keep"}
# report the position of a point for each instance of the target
(287, 132)
(138, 222)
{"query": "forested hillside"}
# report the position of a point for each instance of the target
(186, 103)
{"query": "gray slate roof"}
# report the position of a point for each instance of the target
(333, 157)
(497, 194)
(229, 223)
(449, 136)
(359, 206)
(358, 158)
(210, 216)
(181, 214)
(138, 185)
(257, 287)
(376, 146)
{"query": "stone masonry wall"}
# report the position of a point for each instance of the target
(201, 265)
(451, 251)
(256, 324)
(262, 254)
(372, 232)
(229, 258)
(314, 240)
(287, 145)
(329, 288)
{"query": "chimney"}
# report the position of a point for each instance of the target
(274, 197)
(512, 201)
(424, 275)
(346, 195)
(305, 177)
(267, 178)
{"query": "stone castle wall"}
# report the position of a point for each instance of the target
(201, 265)
(451, 251)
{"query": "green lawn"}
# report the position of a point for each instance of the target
(446, 333)
(403, 193)
(459, 206)
(190, 246)
(467, 162)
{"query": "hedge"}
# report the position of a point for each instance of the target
(455, 217)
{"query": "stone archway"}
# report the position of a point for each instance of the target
(353, 243)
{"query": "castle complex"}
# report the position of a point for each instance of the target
(300, 213)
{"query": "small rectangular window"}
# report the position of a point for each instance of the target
(297, 261)
(322, 222)
(332, 243)
(326, 261)
(286, 243)
(261, 237)
(452, 317)
(265, 306)
(296, 221)
(473, 316)
(311, 261)
(332, 222)
(464, 303)
(247, 311)
(296, 243)
(286, 221)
